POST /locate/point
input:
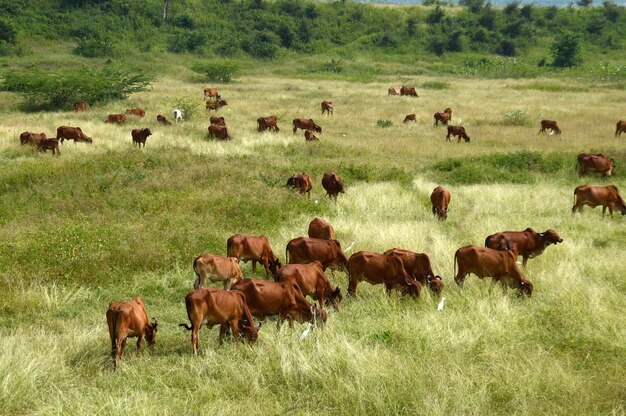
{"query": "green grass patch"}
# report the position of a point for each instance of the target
(436, 85)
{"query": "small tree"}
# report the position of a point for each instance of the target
(216, 71)
(566, 51)
(584, 3)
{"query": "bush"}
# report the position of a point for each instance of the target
(334, 66)
(187, 41)
(7, 32)
(435, 85)
(262, 45)
(216, 71)
(515, 118)
(566, 51)
(384, 123)
(189, 107)
(94, 48)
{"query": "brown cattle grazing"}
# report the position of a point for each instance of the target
(128, 320)
(116, 118)
(440, 199)
(458, 131)
(393, 91)
(312, 281)
(527, 243)
(80, 106)
(51, 144)
(301, 182)
(246, 247)
(620, 128)
(139, 112)
(32, 138)
(161, 119)
(318, 228)
(140, 136)
(327, 107)
(267, 123)
(444, 117)
(409, 117)
(333, 185)
(305, 124)
(72, 133)
(607, 196)
(216, 268)
(309, 136)
(485, 262)
(217, 121)
(590, 162)
(218, 307)
(221, 132)
(215, 104)
(553, 125)
(304, 250)
(408, 91)
(417, 265)
(211, 93)
(376, 268)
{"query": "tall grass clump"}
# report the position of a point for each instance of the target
(223, 71)
(435, 85)
(515, 118)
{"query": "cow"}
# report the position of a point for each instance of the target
(246, 247)
(444, 117)
(485, 262)
(161, 119)
(218, 121)
(393, 91)
(214, 105)
(139, 112)
(440, 199)
(590, 162)
(178, 115)
(127, 320)
(216, 268)
(553, 125)
(376, 268)
(607, 196)
(328, 107)
(309, 136)
(301, 182)
(318, 228)
(527, 243)
(219, 307)
(417, 265)
(620, 128)
(305, 124)
(51, 144)
(211, 93)
(284, 299)
(312, 282)
(409, 117)
(304, 250)
(72, 133)
(32, 138)
(333, 184)
(458, 131)
(221, 132)
(267, 123)
(408, 91)
(140, 135)
(116, 118)
(80, 106)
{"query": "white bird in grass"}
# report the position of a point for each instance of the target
(440, 306)
(349, 248)
(306, 332)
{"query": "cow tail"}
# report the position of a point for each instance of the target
(195, 270)
(287, 254)
(456, 254)
(229, 246)
(246, 310)
(187, 327)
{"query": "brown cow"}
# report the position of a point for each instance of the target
(246, 247)
(216, 268)
(408, 91)
(267, 123)
(72, 133)
(553, 125)
(607, 196)
(333, 185)
(215, 104)
(161, 119)
(301, 182)
(312, 281)
(140, 136)
(309, 136)
(128, 320)
(417, 265)
(318, 228)
(393, 91)
(51, 144)
(440, 199)
(444, 117)
(327, 107)
(32, 138)
(139, 112)
(116, 118)
(221, 132)
(218, 307)
(305, 124)
(376, 268)
(409, 117)
(284, 299)
(80, 106)
(620, 128)
(458, 131)
(595, 163)
(211, 93)
(217, 121)
(527, 243)
(304, 250)
(485, 262)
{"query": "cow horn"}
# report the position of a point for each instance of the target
(155, 322)
(438, 277)
(541, 235)
(260, 323)
(428, 278)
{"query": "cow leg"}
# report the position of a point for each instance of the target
(603, 210)
(354, 281)
(234, 325)
(118, 352)
(139, 341)
(460, 277)
(222, 332)
(253, 266)
(121, 347)
(194, 337)
(524, 261)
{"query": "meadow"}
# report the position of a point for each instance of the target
(109, 222)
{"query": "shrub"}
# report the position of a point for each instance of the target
(507, 47)
(515, 118)
(216, 71)
(94, 48)
(187, 41)
(334, 65)
(566, 51)
(189, 107)
(435, 85)
(262, 45)
(7, 32)
(384, 123)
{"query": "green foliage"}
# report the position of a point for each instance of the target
(189, 107)
(192, 41)
(435, 85)
(334, 66)
(515, 118)
(8, 33)
(262, 44)
(566, 51)
(94, 47)
(384, 123)
(217, 71)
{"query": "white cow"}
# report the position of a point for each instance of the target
(178, 115)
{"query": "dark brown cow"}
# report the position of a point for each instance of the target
(590, 162)
(304, 250)
(217, 121)
(620, 128)
(161, 119)
(485, 262)
(80, 106)
(221, 132)
(309, 136)
(301, 182)
(49, 144)
(267, 123)
(218, 307)
(32, 138)
(440, 199)
(417, 265)
(140, 136)
(408, 91)
(553, 125)
(409, 117)
(312, 281)
(284, 299)
(216, 268)
(444, 117)
(376, 268)
(116, 118)
(458, 131)
(607, 196)
(72, 133)
(211, 93)
(527, 243)
(333, 185)
(139, 112)
(215, 104)
(305, 124)
(393, 91)
(246, 247)
(318, 228)
(327, 107)
(128, 320)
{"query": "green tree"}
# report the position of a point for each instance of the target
(566, 50)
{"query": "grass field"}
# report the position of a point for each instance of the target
(109, 222)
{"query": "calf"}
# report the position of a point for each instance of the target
(553, 125)
(301, 182)
(221, 132)
(318, 228)
(116, 118)
(32, 138)
(458, 131)
(607, 196)
(311, 280)
(393, 91)
(161, 119)
(408, 91)
(305, 124)
(444, 117)
(309, 136)
(80, 106)
(527, 243)
(210, 92)
(214, 105)
(178, 115)
(217, 121)
(417, 265)
(620, 128)
(267, 123)
(589, 162)
(216, 268)
(327, 107)
(140, 136)
(72, 133)
(409, 117)
(376, 268)
(49, 144)
(246, 247)
(333, 184)
(440, 199)
(139, 112)
(304, 250)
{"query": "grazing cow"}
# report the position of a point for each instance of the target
(444, 117)
(116, 118)
(408, 91)
(161, 119)
(267, 123)
(52, 144)
(140, 136)
(219, 307)
(216, 268)
(246, 247)
(221, 132)
(333, 185)
(327, 107)
(305, 124)
(485, 262)
(620, 128)
(527, 243)
(458, 131)
(393, 91)
(553, 125)
(80, 106)
(417, 265)
(127, 320)
(440, 199)
(218, 121)
(590, 162)
(139, 112)
(178, 115)
(409, 117)
(304, 250)
(318, 228)
(309, 136)
(301, 182)
(72, 133)
(214, 105)
(311, 280)
(607, 196)
(211, 93)
(32, 138)
(376, 268)
(284, 299)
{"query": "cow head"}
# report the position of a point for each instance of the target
(435, 284)
(441, 213)
(275, 265)
(550, 237)
(291, 182)
(334, 298)
(151, 330)
(338, 183)
(526, 287)
(317, 128)
(410, 287)
(250, 331)
(147, 132)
